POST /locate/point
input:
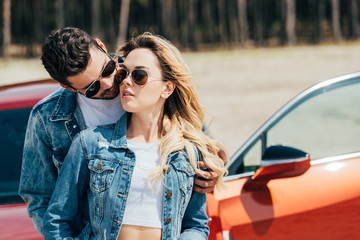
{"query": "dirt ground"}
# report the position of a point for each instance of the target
(241, 88)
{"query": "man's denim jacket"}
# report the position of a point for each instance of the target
(53, 124)
(99, 166)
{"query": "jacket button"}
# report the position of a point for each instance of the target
(99, 166)
(168, 170)
(188, 169)
(169, 195)
(168, 220)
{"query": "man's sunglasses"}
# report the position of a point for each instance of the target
(94, 87)
(139, 76)
(110, 67)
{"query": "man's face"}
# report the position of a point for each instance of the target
(109, 89)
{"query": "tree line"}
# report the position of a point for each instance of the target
(190, 24)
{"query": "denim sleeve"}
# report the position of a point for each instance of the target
(195, 221)
(69, 194)
(38, 173)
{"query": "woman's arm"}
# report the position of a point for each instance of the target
(69, 194)
(195, 221)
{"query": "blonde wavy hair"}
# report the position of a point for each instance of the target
(183, 115)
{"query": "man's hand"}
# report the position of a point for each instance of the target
(208, 181)
(208, 178)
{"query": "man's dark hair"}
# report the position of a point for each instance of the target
(66, 53)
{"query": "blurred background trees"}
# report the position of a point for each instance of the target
(190, 24)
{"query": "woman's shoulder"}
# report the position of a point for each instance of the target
(180, 160)
(181, 164)
(94, 134)
(184, 154)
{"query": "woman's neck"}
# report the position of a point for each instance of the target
(143, 128)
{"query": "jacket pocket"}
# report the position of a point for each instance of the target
(101, 174)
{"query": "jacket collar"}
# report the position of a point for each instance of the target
(65, 106)
(119, 136)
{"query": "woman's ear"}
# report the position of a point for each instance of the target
(101, 44)
(169, 89)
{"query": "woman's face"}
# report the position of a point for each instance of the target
(148, 98)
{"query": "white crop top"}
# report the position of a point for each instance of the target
(144, 205)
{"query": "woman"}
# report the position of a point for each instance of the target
(138, 173)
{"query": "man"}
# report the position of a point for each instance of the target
(88, 98)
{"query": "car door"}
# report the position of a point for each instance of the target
(275, 192)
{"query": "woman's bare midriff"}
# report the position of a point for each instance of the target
(139, 233)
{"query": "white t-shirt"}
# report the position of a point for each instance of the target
(100, 111)
(144, 205)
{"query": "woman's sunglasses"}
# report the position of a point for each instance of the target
(140, 77)
(94, 87)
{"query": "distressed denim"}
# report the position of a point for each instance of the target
(99, 167)
(53, 124)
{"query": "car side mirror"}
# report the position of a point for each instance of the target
(278, 162)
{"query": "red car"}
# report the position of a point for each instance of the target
(297, 177)
(16, 102)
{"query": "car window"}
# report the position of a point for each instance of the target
(252, 159)
(325, 125)
(12, 128)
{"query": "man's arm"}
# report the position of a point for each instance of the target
(38, 173)
(195, 222)
(205, 182)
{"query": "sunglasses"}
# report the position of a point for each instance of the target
(140, 77)
(94, 87)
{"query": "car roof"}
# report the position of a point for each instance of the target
(26, 94)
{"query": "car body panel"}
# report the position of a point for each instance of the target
(288, 203)
(15, 223)
(26, 94)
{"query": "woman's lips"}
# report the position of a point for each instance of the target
(127, 93)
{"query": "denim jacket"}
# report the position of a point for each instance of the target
(53, 124)
(99, 166)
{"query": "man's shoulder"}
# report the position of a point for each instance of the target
(49, 102)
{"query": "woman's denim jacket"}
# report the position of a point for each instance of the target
(99, 166)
